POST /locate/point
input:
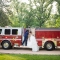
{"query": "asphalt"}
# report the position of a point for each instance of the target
(24, 50)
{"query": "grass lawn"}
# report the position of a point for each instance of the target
(28, 57)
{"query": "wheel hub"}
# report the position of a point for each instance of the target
(6, 45)
(49, 46)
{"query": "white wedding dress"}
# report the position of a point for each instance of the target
(32, 43)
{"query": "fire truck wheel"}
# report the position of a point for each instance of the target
(6, 45)
(49, 46)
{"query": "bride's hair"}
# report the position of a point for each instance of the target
(30, 32)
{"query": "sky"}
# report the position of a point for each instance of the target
(25, 1)
(54, 9)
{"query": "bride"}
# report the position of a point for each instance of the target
(32, 43)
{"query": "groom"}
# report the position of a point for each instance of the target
(25, 37)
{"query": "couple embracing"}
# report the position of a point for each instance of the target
(30, 41)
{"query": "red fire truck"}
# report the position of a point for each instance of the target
(48, 38)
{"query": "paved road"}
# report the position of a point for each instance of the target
(22, 50)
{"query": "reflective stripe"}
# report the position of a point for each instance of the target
(57, 39)
(49, 39)
(10, 39)
(39, 39)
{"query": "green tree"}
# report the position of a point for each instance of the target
(18, 13)
(4, 20)
(43, 10)
(38, 15)
(57, 22)
(35, 13)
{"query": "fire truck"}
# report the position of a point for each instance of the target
(47, 38)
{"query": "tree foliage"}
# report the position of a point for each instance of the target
(4, 20)
(36, 13)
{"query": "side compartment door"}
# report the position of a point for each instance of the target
(38, 35)
(58, 38)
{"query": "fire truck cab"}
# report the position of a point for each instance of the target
(10, 36)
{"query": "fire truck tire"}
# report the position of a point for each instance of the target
(6, 45)
(49, 46)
